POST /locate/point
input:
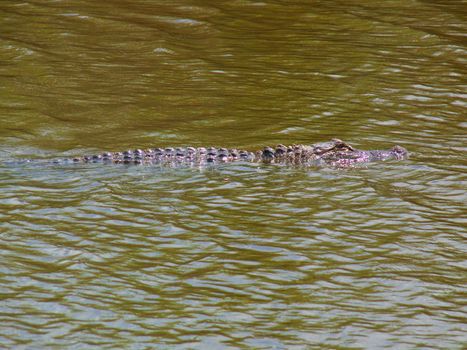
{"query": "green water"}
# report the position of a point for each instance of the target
(236, 256)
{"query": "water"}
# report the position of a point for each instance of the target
(236, 256)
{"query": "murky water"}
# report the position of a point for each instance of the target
(236, 256)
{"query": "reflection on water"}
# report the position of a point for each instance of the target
(237, 255)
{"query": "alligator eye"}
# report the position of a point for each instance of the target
(399, 149)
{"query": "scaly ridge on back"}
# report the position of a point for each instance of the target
(334, 153)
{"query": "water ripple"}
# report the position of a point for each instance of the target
(236, 256)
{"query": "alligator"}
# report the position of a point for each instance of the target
(335, 153)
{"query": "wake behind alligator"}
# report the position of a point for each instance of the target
(335, 153)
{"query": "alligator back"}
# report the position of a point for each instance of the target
(335, 153)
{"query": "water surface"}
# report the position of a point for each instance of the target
(236, 256)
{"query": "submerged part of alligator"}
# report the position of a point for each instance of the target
(335, 154)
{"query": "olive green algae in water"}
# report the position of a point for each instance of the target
(236, 256)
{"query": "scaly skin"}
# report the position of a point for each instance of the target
(335, 154)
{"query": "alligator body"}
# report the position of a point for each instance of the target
(334, 154)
